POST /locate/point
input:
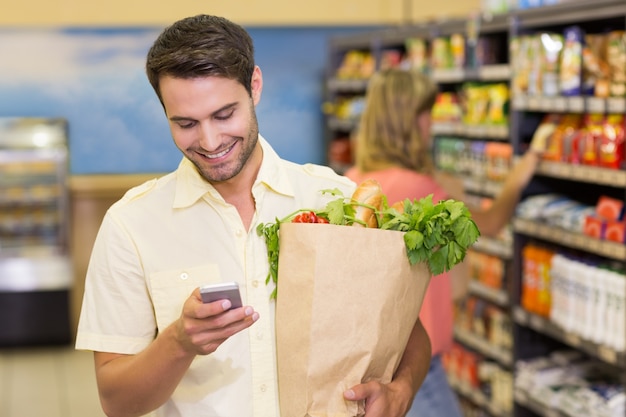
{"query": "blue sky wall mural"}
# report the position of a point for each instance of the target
(95, 79)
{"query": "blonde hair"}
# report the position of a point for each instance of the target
(388, 133)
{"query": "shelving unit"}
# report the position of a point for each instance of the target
(533, 335)
(537, 335)
(449, 79)
(35, 268)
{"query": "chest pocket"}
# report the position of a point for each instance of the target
(170, 289)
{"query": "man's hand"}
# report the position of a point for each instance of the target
(382, 400)
(202, 328)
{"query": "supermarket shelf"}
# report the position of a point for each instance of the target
(497, 247)
(501, 72)
(525, 400)
(612, 250)
(493, 295)
(345, 125)
(363, 40)
(347, 85)
(478, 398)
(470, 131)
(568, 12)
(482, 186)
(482, 345)
(574, 104)
(583, 173)
(545, 326)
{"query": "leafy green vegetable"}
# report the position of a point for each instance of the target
(436, 233)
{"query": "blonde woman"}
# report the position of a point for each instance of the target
(393, 146)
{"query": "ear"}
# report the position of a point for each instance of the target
(256, 85)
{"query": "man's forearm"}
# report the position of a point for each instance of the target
(133, 385)
(415, 361)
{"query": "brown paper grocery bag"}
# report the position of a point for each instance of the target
(346, 304)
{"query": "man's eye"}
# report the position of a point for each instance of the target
(186, 125)
(225, 115)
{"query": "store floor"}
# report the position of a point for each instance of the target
(48, 381)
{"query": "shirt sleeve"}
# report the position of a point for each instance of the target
(117, 314)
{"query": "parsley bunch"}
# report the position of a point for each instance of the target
(436, 233)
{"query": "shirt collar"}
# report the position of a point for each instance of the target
(191, 186)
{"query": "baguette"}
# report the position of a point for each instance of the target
(368, 192)
(399, 206)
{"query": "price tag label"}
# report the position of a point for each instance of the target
(477, 397)
(619, 178)
(475, 131)
(616, 251)
(449, 75)
(572, 339)
(616, 105)
(559, 104)
(546, 103)
(606, 176)
(521, 397)
(519, 102)
(594, 245)
(591, 175)
(596, 105)
(537, 323)
(607, 354)
(520, 316)
(534, 103)
(579, 240)
(576, 104)
(550, 412)
(494, 72)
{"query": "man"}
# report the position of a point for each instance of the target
(158, 348)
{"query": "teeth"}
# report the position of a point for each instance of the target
(219, 155)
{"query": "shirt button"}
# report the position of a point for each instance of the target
(239, 233)
(255, 283)
(184, 275)
(259, 335)
(263, 387)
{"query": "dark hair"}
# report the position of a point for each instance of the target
(202, 46)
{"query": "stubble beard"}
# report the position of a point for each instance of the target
(230, 169)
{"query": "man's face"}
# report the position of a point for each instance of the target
(213, 122)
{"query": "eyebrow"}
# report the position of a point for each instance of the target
(213, 114)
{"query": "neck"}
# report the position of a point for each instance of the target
(238, 190)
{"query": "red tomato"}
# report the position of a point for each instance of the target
(306, 217)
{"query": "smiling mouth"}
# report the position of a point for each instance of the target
(219, 154)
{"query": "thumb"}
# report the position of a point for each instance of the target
(358, 392)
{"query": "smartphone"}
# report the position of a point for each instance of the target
(222, 291)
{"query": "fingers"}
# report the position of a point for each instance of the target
(212, 331)
(362, 391)
(203, 327)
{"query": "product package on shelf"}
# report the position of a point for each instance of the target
(587, 139)
(571, 63)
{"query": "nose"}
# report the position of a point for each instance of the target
(208, 136)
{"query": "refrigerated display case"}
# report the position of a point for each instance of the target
(35, 267)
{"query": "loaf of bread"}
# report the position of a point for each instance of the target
(368, 192)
